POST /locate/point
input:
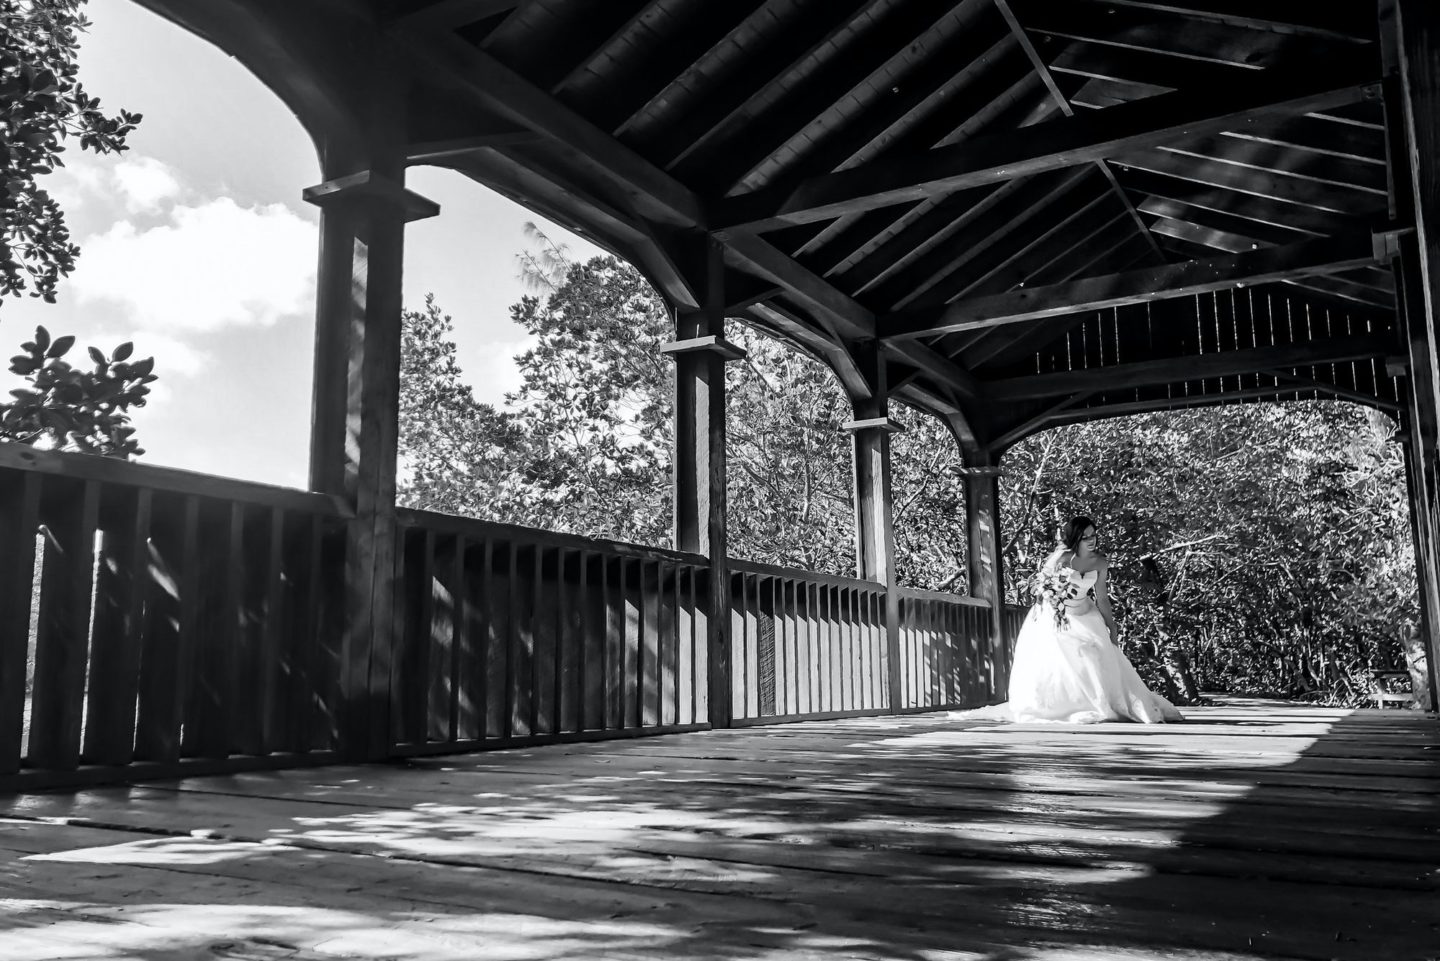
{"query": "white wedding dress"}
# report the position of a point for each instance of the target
(1075, 673)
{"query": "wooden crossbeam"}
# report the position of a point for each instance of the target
(490, 82)
(1077, 140)
(1134, 287)
(851, 319)
(1174, 369)
(940, 368)
(443, 13)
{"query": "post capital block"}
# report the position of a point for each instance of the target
(368, 186)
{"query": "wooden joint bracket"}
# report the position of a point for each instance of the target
(1397, 366)
(987, 471)
(710, 343)
(888, 425)
(1386, 241)
(374, 188)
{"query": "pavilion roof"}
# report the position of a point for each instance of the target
(1007, 194)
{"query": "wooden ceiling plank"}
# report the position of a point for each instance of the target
(851, 319)
(1118, 65)
(641, 81)
(486, 80)
(1375, 294)
(988, 253)
(976, 211)
(1223, 200)
(1135, 287)
(1316, 134)
(1335, 201)
(1110, 251)
(1166, 34)
(1043, 71)
(618, 24)
(1349, 23)
(1283, 161)
(769, 57)
(742, 142)
(934, 85)
(1036, 421)
(1148, 373)
(1118, 131)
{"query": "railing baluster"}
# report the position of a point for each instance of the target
(116, 632)
(19, 520)
(62, 643)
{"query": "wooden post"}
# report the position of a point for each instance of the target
(875, 501)
(982, 524)
(701, 352)
(1418, 50)
(355, 420)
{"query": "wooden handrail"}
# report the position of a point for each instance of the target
(942, 596)
(813, 577)
(109, 470)
(473, 527)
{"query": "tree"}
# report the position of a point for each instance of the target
(455, 451)
(42, 103)
(1282, 531)
(66, 408)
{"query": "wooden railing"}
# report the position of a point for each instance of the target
(161, 620)
(805, 645)
(945, 651)
(513, 635)
(157, 623)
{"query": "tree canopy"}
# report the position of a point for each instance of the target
(1281, 531)
(43, 104)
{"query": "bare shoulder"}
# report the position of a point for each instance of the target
(1102, 562)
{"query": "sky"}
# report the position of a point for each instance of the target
(196, 245)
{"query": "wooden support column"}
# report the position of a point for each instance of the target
(701, 352)
(982, 529)
(1418, 47)
(355, 421)
(875, 500)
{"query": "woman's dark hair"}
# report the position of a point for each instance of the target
(1071, 533)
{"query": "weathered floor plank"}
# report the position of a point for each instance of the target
(1250, 831)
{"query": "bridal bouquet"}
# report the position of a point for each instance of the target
(1057, 589)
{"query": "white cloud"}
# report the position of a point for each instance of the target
(144, 183)
(212, 266)
(492, 369)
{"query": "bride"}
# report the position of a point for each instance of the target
(1067, 666)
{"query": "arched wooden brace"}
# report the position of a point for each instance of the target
(701, 351)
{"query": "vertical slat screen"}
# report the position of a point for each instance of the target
(175, 620)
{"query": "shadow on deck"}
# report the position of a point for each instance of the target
(1253, 830)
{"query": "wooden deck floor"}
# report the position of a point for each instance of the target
(1253, 830)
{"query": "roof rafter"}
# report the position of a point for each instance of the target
(1134, 287)
(651, 190)
(1126, 128)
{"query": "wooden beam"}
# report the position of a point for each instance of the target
(1037, 421)
(441, 151)
(1048, 146)
(1134, 287)
(1330, 198)
(852, 319)
(940, 368)
(1334, 390)
(834, 355)
(1169, 370)
(442, 14)
(486, 80)
(1063, 102)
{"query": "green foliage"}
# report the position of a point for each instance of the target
(1282, 532)
(69, 408)
(42, 103)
